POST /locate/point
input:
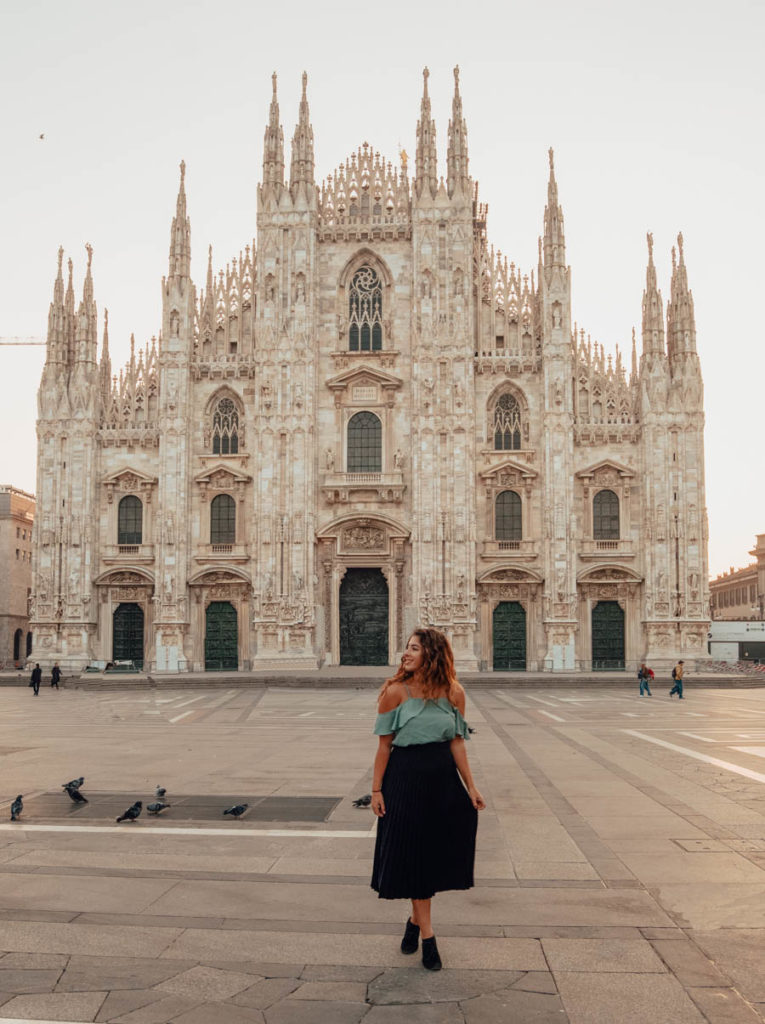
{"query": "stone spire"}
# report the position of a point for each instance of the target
(681, 321)
(105, 367)
(69, 315)
(653, 309)
(458, 179)
(180, 235)
(426, 161)
(302, 166)
(273, 148)
(207, 318)
(86, 339)
(57, 347)
(554, 243)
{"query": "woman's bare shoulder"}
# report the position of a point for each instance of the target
(394, 695)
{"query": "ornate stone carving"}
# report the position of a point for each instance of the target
(363, 538)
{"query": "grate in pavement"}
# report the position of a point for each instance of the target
(183, 807)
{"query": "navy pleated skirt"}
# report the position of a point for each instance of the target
(426, 840)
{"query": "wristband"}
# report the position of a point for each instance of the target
(377, 791)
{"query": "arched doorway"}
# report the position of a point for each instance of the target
(363, 618)
(509, 637)
(607, 636)
(17, 645)
(221, 637)
(127, 642)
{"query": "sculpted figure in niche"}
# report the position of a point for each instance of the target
(398, 459)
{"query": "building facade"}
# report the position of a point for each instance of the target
(739, 595)
(371, 420)
(17, 516)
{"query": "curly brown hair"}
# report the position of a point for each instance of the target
(437, 675)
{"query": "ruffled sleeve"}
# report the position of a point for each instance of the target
(392, 721)
(461, 727)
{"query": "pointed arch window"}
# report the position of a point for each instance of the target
(225, 428)
(507, 423)
(223, 520)
(508, 518)
(605, 516)
(364, 443)
(365, 311)
(130, 520)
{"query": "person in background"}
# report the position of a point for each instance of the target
(677, 675)
(644, 675)
(55, 675)
(36, 679)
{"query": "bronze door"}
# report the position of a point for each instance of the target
(127, 643)
(607, 636)
(364, 618)
(509, 637)
(221, 637)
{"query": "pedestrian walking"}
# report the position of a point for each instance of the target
(677, 675)
(36, 679)
(55, 675)
(422, 788)
(644, 676)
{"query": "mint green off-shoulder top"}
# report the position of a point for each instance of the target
(421, 721)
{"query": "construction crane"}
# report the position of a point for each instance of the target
(22, 341)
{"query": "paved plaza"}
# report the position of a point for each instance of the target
(620, 864)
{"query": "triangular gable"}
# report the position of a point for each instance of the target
(624, 471)
(510, 466)
(221, 476)
(114, 479)
(369, 374)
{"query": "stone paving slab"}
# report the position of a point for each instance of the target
(618, 881)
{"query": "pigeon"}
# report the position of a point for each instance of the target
(75, 795)
(159, 793)
(17, 807)
(237, 810)
(157, 807)
(74, 783)
(363, 801)
(132, 812)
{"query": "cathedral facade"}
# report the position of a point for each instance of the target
(368, 421)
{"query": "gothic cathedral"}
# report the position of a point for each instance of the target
(371, 420)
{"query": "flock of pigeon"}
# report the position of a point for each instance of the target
(72, 789)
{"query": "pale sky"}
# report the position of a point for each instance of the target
(654, 111)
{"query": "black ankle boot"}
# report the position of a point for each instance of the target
(430, 958)
(411, 938)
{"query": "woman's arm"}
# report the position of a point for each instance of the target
(459, 753)
(378, 773)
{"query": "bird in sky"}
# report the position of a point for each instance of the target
(237, 810)
(73, 783)
(17, 807)
(157, 807)
(75, 795)
(132, 812)
(42, 135)
(363, 801)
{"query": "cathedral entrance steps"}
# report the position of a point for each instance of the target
(347, 677)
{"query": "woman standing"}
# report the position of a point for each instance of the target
(422, 790)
